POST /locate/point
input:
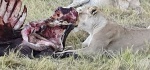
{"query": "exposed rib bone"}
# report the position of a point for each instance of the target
(3, 8)
(40, 37)
(0, 2)
(21, 19)
(35, 47)
(17, 9)
(9, 10)
(15, 14)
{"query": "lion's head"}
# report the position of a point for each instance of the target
(90, 18)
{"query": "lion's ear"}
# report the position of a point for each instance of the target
(93, 10)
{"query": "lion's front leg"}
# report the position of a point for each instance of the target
(87, 42)
(98, 45)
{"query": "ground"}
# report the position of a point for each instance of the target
(40, 9)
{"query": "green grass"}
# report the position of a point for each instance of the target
(40, 9)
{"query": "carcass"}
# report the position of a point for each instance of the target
(10, 24)
(48, 34)
(39, 37)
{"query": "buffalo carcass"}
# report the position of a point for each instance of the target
(40, 37)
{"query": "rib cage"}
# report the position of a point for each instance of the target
(10, 19)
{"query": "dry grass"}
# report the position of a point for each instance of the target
(39, 9)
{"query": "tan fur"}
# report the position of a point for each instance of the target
(124, 5)
(107, 35)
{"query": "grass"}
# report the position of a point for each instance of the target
(40, 9)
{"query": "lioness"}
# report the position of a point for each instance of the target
(107, 35)
(124, 5)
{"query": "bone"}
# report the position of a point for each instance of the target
(35, 47)
(45, 42)
(0, 2)
(39, 45)
(15, 15)
(9, 10)
(21, 19)
(17, 9)
(25, 33)
(3, 8)
(39, 37)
